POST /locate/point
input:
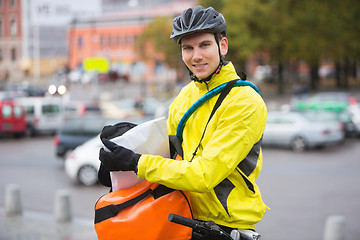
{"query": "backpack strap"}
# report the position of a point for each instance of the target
(112, 210)
(203, 99)
(222, 96)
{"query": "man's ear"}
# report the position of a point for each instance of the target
(223, 46)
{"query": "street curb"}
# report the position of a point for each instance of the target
(43, 226)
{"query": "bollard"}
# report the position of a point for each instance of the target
(335, 228)
(62, 209)
(13, 200)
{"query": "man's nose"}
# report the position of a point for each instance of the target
(197, 54)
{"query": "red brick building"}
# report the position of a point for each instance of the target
(10, 37)
(113, 35)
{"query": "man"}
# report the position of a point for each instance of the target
(220, 177)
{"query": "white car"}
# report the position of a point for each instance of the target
(301, 130)
(355, 116)
(83, 163)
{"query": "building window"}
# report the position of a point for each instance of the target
(1, 27)
(12, 3)
(13, 54)
(127, 40)
(80, 42)
(119, 40)
(114, 40)
(13, 28)
(110, 41)
(1, 55)
(1, 3)
(102, 41)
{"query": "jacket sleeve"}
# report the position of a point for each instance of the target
(238, 127)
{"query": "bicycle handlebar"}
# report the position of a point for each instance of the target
(182, 220)
(201, 229)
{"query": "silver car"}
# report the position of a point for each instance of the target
(301, 130)
(354, 111)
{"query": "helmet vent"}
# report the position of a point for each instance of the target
(187, 17)
(196, 18)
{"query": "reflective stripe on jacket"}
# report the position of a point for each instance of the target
(221, 177)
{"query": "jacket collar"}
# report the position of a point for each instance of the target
(226, 74)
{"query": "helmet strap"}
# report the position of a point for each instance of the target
(217, 70)
(193, 77)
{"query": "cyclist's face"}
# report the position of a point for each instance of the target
(200, 53)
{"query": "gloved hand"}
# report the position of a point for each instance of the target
(119, 158)
(104, 176)
(108, 131)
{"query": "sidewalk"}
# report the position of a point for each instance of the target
(41, 226)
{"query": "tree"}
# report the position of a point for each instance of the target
(290, 29)
(259, 25)
(345, 47)
(307, 30)
(155, 42)
(218, 5)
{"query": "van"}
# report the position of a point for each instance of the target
(12, 118)
(44, 115)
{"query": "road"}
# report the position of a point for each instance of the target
(301, 189)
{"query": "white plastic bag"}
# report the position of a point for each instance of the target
(147, 138)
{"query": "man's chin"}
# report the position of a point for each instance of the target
(201, 76)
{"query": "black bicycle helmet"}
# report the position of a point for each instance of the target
(198, 19)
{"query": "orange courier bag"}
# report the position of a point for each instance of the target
(141, 212)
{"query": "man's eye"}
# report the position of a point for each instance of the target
(186, 48)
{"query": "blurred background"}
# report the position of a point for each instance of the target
(67, 68)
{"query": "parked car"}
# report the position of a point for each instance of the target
(25, 90)
(79, 109)
(78, 130)
(347, 118)
(354, 110)
(83, 163)
(301, 130)
(138, 106)
(44, 115)
(58, 84)
(337, 101)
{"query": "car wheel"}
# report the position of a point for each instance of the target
(30, 131)
(87, 175)
(298, 144)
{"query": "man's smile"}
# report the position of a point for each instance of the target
(199, 66)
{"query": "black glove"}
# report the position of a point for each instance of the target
(108, 131)
(119, 159)
(104, 176)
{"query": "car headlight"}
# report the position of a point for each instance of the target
(61, 89)
(52, 89)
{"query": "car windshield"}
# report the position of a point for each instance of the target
(320, 116)
(84, 126)
(325, 97)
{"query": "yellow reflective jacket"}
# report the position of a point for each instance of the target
(221, 177)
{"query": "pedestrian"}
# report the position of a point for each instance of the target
(220, 177)
(4, 79)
